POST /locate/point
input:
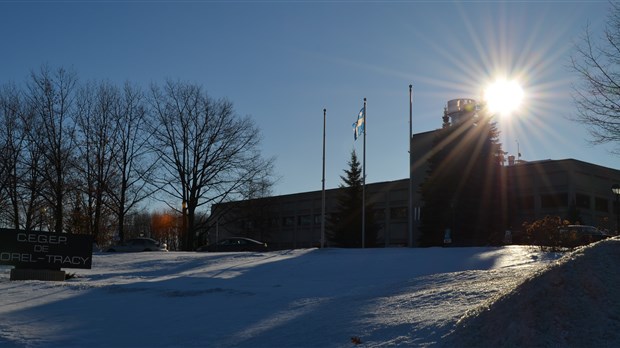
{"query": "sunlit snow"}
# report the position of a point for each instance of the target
(323, 298)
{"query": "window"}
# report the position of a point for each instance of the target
(582, 201)
(554, 200)
(379, 214)
(601, 204)
(317, 219)
(525, 202)
(304, 220)
(398, 213)
(288, 221)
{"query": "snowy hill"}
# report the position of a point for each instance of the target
(573, 303)
(319, 298)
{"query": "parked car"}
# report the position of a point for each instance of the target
(575, 235)
(235, 244)
(139, 244)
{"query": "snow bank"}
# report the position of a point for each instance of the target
(571, 303)
(292, 298)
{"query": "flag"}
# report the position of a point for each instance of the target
(358, 126)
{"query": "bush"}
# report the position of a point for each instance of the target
(546, 234)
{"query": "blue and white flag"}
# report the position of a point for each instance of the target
(358, 126)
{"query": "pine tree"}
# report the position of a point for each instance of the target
(346, 223)
(463, 190)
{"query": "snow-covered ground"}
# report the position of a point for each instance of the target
(511, 296)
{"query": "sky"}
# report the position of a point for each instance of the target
(512, 296)
(283, 62)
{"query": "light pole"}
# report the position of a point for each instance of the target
(615, 188)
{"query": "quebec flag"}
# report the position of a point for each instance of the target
(358, 126)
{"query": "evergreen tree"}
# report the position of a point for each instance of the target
(463, 190)
(346, 223)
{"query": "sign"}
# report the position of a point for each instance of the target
(36, 249)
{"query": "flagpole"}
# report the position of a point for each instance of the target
(364, 181)
(323, 190)
(410, 167)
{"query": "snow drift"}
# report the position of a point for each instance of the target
(321, 298)
(572, 303)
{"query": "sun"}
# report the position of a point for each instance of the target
(503, 97)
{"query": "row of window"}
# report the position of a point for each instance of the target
(547, 201)
(560, 200)
(310, 220)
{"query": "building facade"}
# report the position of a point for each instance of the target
(564, 188)
(539, 188)
(567, 188)
(294, 221)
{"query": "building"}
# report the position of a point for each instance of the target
(294, 221)
(554, 187)
(566, 188)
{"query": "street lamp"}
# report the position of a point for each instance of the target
(615, 188)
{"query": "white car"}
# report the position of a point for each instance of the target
(139, 244)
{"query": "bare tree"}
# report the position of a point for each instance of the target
(30, 181)
(115, 162)
(11, 145)
(134, 163)
(138, 224)
(20, 162)
(51, 96)
(208, 153)
(96, 146)
(597, 97)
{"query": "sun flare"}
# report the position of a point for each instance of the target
(503, 97)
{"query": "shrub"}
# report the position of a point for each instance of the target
(546, 234)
